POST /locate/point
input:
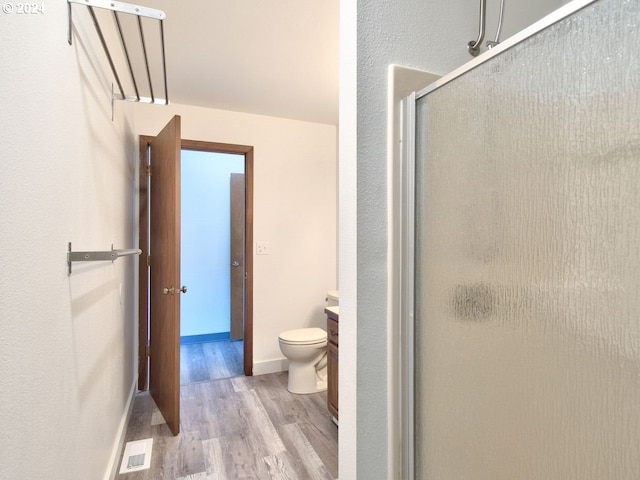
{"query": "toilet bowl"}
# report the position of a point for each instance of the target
(306, 350)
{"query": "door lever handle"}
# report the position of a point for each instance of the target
(173, 291)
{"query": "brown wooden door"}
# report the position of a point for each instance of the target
(164, 249)
(237, 257)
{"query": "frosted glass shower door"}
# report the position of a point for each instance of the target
(527, 271)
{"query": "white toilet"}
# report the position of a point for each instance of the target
(306, 350)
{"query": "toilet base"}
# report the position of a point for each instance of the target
(320, 387)
(305, 379)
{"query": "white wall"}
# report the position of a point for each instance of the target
(67, 342)
(294, 211)
(428, 35)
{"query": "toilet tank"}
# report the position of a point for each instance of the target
(333, 298)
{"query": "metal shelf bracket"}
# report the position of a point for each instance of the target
(98, 256)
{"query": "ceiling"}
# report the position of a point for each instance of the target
(277, 58)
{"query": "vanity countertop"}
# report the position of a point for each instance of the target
(332, 312)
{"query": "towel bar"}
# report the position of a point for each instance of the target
(137, 11)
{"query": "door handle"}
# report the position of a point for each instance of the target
(235, 264)
(173, 291)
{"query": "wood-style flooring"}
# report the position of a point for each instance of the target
(203, 362)
(239, 428)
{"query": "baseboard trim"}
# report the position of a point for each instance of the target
(205, 338)
(114, 459)
(271, 366)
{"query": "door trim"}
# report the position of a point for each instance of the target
(143, 290)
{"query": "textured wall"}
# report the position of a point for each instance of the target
(67, 345)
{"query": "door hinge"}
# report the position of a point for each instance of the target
(148, 170)
(148, 260)
(147, 350)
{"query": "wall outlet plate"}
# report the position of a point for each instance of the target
(262, 248)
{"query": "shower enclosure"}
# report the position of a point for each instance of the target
(524, 252)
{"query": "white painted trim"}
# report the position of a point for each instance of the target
(347, 242)
(271, 366)
(348, 275)
(114, 458)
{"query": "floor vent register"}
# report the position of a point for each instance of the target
(136, 456)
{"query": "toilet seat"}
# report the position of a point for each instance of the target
(304, 336)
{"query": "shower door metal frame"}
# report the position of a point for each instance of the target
(408, 221)
(407, 280)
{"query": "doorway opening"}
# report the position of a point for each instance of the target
(240, 281)
(211, 262)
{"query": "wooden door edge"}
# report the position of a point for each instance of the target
(143, 271)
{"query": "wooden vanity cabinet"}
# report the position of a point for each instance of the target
(332, 363)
